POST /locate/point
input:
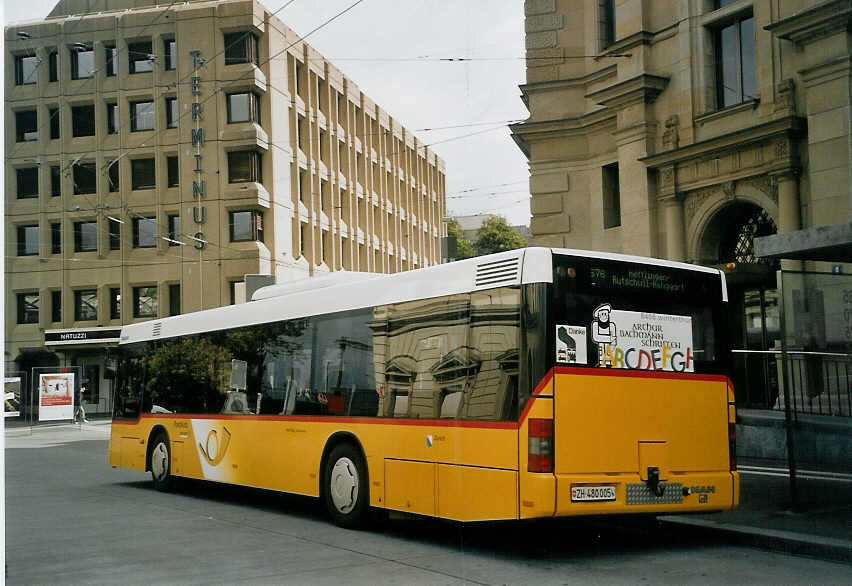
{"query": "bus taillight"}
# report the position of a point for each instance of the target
(540, 445)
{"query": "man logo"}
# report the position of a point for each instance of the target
(213, 449)
(428, 441)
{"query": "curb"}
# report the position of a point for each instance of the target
(826, 548)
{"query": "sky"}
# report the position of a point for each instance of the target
(372, 44)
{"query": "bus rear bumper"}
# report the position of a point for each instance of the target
(590, 494)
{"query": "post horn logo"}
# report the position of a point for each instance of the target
(214, 449)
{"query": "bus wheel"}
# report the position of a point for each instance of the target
(161, 462)
(346, 489)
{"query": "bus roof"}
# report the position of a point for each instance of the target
(345, 291)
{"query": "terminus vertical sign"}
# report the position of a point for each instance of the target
(199, 214)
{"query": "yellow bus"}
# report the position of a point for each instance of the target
(531, 383)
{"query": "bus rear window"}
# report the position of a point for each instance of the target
(615, 314)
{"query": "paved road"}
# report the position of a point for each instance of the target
(73, 520)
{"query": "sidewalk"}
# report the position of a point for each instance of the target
(39, 436)
(820, 527)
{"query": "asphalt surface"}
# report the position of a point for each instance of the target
(71, 519)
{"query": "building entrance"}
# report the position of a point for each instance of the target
(754, 312)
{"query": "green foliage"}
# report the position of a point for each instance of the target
(496, 235)
(464, 249)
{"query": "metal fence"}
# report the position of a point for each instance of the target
(817, 383)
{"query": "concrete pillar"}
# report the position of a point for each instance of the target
(789, 211)
(675, 229)
(789, 214)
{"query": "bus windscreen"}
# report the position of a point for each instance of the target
(622, 315)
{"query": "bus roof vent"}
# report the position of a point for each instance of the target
(156, 329)
(498, 272)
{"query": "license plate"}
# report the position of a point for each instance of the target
(592, 493)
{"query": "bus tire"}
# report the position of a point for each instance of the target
(160, 462)
(346, 490)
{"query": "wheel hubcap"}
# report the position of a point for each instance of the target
(160, 461)
(344, 485)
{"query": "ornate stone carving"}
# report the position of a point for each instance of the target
(765, 184)
(667, 177)
(729, 190)
(670, 135)
(781, 149)
(695, 200)
(785, 96)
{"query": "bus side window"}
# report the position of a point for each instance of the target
(494, 336)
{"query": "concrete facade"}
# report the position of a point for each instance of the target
(332, 180)
(690, 157)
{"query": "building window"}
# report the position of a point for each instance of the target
(246, 225)
(27, 182)
(82, 61)
(85, 236)
(53, 66)
(170, 54)
(244, 166)
(85, 178)
(144, 302)
(56, 238)
(735, 69)
(112, 118)
(113, 176)
(611, 196)
(83, 120)
(26, 69)
(111, 56)
(28, 308)
(143, 174)
(606, 22)
(174, 299)
(243, 107)
(144, 232)
(114, 233)
(174, 230)
(171, 113)
(173, 171)
(86, 305)
(115, 303)
(26, 126)
(56, 306)
(54, 123)
(241, 48)
(140, 57)
(55, 181)
(141, 116)
(28, 240)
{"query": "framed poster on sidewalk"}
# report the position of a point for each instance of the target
(12, 396)
(56, 396)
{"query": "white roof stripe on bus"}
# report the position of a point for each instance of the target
(342, 294)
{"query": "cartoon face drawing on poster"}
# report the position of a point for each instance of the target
(603, 333)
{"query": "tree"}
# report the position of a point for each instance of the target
(464, 249)
(496, 235)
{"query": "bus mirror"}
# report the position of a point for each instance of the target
(238, 374)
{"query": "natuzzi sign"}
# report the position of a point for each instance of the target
(99, 335)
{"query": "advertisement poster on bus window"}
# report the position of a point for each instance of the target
(56, 396)
(12, 396)
(643, 341)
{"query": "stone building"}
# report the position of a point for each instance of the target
(158, 152)
(684, 129)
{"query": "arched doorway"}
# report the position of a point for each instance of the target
(754, 314)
